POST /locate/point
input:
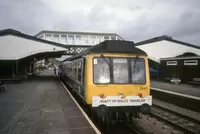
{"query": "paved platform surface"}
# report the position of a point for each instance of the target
(40, 106)
(180, 88)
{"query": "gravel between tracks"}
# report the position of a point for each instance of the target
(175, 108)
(150, 125)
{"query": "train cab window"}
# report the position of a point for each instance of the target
(120, 70)
(101, 70)
(138, 71)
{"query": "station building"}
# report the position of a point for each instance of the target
(186, 67)
(172, 58)
(81, 40)
(77, 38)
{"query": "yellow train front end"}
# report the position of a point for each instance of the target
(117, 82)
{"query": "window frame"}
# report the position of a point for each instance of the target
(63, 39)
(93, 71)
(56, 37)
(106, 37)
(144, 71)
(172, 64)
(80, 68)
(112, 74)
(70, 39)
(113, 38)
(128, 69)
(190, 62)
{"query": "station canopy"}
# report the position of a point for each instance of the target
(15, 45)
(165, 47)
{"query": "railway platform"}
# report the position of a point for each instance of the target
(41, 106)
(180, 89)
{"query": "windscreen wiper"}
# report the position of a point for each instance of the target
(134, 66)
(108, 63)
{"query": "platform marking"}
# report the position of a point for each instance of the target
(70, 108)
(175, 93)
(85, 115)
(81, 128)
(74, 116)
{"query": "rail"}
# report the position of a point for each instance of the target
(179, 121)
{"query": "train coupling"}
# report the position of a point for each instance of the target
(145, 109)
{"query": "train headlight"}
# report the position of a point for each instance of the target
(102, 96)
(140, 95)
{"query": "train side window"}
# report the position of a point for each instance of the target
(76, 71)
(69, 69)
(72, 69)
(66, 69)
(79, 70)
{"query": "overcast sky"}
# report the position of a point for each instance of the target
(134, 20)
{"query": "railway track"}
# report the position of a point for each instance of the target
(177, 100)
(124, 129)
(177, 120)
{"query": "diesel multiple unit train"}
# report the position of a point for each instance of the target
(111, 77)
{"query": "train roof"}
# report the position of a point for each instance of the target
(110, 46)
